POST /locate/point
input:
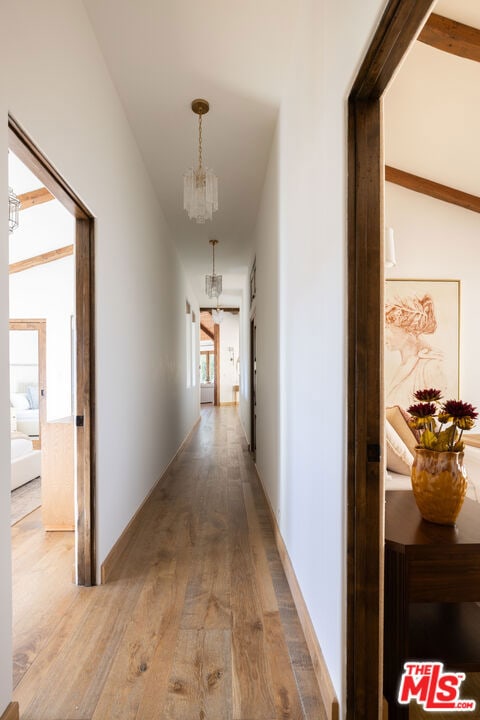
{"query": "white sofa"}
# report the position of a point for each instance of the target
(25, 461)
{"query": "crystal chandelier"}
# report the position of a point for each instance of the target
(13, 208)
(217, 315)
(213, 282)
(200, 186)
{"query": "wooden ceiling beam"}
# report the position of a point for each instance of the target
(41, 259)
(35, 197)
(206, 331)
(452, 37)
(432, 189)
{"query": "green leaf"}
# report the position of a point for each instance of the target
(429, 440)
(444, 440)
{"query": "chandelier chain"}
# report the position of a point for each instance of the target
(200, 138)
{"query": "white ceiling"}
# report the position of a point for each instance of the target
(432, 110)
(161, 54)
(164, 53)
(464, 11)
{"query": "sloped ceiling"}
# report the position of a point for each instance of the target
(432, 110)
(161, 55)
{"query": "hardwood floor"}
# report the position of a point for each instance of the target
(197, 621)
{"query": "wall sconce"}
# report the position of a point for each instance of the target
(390, 259)
(13, 208)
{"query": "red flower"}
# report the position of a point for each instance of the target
(425, 418)
(430, 395)
(422, 410)
(457, 409)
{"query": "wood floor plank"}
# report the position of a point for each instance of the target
(282, 680)
(201, 681)
(281, 677)
(252, 696)
(197, 621)
(79, 671)
(207, 601)
(42, 591)
(264, 582)
(40, 672)
(152, 624)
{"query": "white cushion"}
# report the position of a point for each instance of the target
(399, 457)
(19, 401)
(397, 419)
(32, 396)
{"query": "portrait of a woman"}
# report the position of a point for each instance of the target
(410, 323)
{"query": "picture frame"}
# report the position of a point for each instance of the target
(422, 339)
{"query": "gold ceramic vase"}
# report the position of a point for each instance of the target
(439, 483)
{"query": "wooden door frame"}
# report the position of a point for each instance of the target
(398, 29)
(216, 350)
(39, 326)
(253, 389)
(32, 157)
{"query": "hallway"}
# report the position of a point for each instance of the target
(197, 621)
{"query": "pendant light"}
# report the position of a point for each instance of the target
(213, 282)
(200, 186)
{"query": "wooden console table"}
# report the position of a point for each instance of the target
(58, 505)
(432, 585)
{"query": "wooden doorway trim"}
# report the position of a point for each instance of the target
(398, 28)
(32, 157)
(253, 385)
(39, 326)
(216, 353)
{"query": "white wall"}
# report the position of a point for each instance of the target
(5, 554)
(300, 240)
(229, 338)
(438, 241)
(70, 109)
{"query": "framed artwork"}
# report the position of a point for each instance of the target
(422, 338)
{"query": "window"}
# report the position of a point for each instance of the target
(207, 366)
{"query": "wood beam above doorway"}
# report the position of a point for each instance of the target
(35, 197)
(432, 189)
(452, 37)
(47, 257)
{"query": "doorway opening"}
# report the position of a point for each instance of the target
(28, 375)
(27, 344)
(253, 386)
(398, 28)
(73, 424)
(209, 348)
(219, 356)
